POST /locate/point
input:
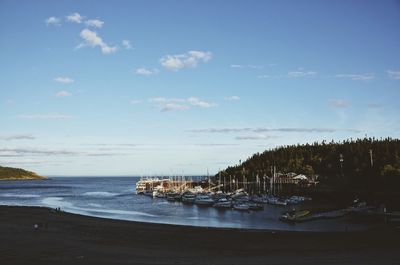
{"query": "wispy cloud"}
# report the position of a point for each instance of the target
(255, 137)
(17, 137)
(232, 98)
(31, 151)
(75, 18)
(361, 77)
(64, 80)
(186, 60)
(300, 73)
(199, 103)
(264, 130)
(95, 23)
(55, 21)
(44, 116)
(393, 74)
(91, 39)
(251, 66)
(374, 105)
(174, 107)
(175, 104)
(338, 103)
(127, 45)
(146, 71)
(63, 94)
(135, 101)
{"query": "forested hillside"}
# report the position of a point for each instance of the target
(365, 164)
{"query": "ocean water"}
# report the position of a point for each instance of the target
(115, 198)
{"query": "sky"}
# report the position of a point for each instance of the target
(132, 88)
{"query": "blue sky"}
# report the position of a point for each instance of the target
(182, 87)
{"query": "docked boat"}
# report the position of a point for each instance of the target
(188, 198)
(205, 200)
(223, 203)
(158, 194)
(255, 206)
(140, 187)
(241, 206)
(277, 201)
(173, 196)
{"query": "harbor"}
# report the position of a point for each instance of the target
(217, 194)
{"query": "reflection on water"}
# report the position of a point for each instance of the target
(115, 198)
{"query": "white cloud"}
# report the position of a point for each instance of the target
(53, 21)
(338, 103)
(135, 101)
(251, 66)
(45, 116)
(75, 18)
(17, 137)
(64, 80)
(263, 76)
(63, 94)
(255, 137)
(91, 39)
(187, 60)
(127, 45)
(173, 104)
(393, 74)
(232, 98)
(174, 107)
(362, 77)
(95, 23)
(199, 103)
(301, 73)
(146, 71)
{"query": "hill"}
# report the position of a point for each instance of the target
(9, 173)
(362, 165)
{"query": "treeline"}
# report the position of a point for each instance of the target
(17, 173)
(367, 164)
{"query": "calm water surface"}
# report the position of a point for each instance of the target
(115, 197)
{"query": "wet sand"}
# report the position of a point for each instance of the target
(64, 238)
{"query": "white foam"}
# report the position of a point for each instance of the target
(56, 202)
(11, 195)
(59, 202)
(122, 212)
(95, 205)
(99, 194)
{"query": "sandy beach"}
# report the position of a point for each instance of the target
(64, 238)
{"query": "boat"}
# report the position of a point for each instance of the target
(241, 206)
(173, 196)
(158, 194)
(223, 203)
(277, 201)
(188, 198)
(204, 199)
(148, 193)
(140, 187)
(255, 206)
(295, 216)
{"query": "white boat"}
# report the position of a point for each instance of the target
(205, 200)
(188, 198)
(255, 206)
(158, 194)
(241, 206)
(223, 203)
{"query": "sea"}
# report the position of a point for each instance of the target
(115, 198)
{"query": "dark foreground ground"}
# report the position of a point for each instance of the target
(76, 239)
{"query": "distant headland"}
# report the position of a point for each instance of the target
(10, 173)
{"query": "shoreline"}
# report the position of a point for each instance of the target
(77, 239)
